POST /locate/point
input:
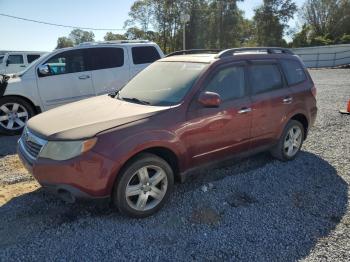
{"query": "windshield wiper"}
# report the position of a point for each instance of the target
(135, 100)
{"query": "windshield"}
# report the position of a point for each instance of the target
(162, 83)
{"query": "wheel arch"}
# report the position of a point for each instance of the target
(37, 109)
(303, 120)
(161, 151)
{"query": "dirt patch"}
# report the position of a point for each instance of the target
(7, 192)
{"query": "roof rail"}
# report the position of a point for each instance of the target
(115, 42)
(269, 50)
(194, 51)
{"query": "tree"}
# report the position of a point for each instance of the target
(141, 13)
(110, 37)
(63, 42)
(271, 20)
(79, 36)
(302, 38)
(329, 18)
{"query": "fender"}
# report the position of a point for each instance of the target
(133, 145)
(301, 110)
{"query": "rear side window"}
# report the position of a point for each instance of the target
(104, 58)
(67, 62)
(15, 59)
(31, 58)
(144, 55)
(294, 72)
(229, 83)
(264, 78)
(1, 59)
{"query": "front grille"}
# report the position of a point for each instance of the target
(30, 144)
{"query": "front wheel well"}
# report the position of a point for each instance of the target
(303, 120)
(37, 109)
(168, 155)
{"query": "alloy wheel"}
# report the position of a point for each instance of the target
(293, 141)
(146, 188)
(13, 116)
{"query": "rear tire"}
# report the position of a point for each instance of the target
(14, 114)
(143, 186)
(290, 142)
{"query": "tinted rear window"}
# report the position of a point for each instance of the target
(104, 58)
(294, 72)
(265, 78)
(31, 58)
(144, 54)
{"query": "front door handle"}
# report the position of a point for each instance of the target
(245, 110)
(287, 100)
(84, 77)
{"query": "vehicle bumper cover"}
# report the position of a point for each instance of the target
(88, 176)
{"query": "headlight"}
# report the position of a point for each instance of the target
(64, 150)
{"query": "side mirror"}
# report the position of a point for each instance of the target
(7, 62)
(209, 99)
(44, 70)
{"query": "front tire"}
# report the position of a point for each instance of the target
(14, 114)
(290, 142)
(143, 186)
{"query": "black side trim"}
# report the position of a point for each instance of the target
(227, 161)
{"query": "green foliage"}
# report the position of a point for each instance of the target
(345, 39)
(79, 36)
(63, 42)
(300, 39)
(328, 20)
(270, 21)
(110, 37)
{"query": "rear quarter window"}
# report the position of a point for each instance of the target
(144, 54)
(105, 57)
(293, 71)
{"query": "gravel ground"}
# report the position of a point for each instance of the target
(256, 210)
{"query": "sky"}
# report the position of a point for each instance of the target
(23, 35)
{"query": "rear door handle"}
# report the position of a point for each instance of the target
(84, 77)
(245, 110)
(287, 100)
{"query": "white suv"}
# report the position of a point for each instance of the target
(71, 74)
(16, 61)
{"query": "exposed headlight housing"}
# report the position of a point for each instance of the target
(65, 150)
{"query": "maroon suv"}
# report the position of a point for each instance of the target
(182, 113)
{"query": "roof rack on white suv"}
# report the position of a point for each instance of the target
(115, 42)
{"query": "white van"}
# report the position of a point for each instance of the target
(71, 74)
(16, 61)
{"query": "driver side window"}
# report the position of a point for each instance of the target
(67, 62)
(228, 82)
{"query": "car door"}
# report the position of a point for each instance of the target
(142, 56)
(270, 98)
(215, 133)
(69, 79)
(15, 63)
(109, 68)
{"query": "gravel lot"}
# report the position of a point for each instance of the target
(256, 210)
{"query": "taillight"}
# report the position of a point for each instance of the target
(314, 91)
